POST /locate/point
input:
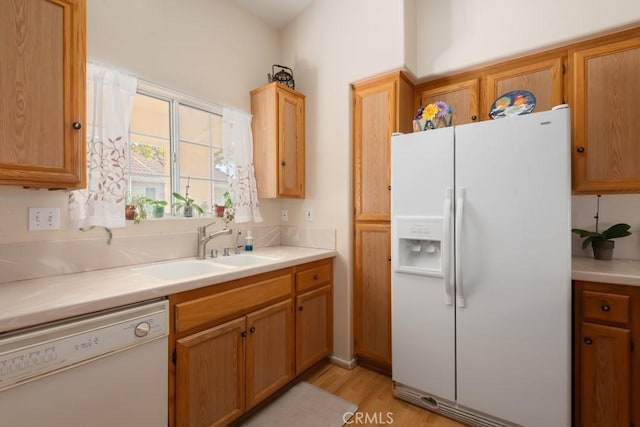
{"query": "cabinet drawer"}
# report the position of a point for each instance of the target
(222, 305)
(605, 307)
(313, 277)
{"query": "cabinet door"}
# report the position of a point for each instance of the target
(291, 145)
(372, 294)
(462, 97)
(374, 114)
(210, 376)
(604, 98)
(314, 327)
(42, 93)
(270, 350)
(606, 383)
(542, 78)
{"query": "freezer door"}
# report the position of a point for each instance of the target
(513, 333)
(423, 351)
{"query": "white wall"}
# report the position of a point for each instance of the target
(458, 34)
(330, 45)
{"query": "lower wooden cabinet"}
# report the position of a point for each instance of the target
(210, 376)
(372, 295)
(607, 381)
(270, 351)
(234, 344)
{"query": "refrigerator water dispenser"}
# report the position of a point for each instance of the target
(419, 245)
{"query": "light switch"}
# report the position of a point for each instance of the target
(44, 219)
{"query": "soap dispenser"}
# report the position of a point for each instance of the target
(248, 242)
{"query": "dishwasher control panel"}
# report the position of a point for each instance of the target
(46, 349)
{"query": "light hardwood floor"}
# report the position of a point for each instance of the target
(372, 393)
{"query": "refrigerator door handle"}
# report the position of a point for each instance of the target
(446, 250)
(458, 249)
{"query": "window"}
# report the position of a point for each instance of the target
(176, 141)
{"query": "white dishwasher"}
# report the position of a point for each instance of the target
(100, 370)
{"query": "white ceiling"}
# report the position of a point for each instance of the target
(276, 13)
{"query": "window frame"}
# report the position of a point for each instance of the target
(175, 100)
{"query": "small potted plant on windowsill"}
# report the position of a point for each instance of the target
(157, 208)
(187, 205)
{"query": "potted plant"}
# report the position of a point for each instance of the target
(140, 203)
(157, 208)
(602, 242)
(187, 204)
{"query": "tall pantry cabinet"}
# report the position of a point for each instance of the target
(381, 106)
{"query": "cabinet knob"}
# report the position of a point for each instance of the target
(588, 341)
(389, 258)
(301, 308)
(580, 149)
(474, 117)
(244, 334)
(77, 125)
(389, 187)
(605, 307)
(315, 277)
(283, 163)
(252, 329)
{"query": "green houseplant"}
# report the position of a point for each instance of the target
(187, 205)
(157, 208)
(601, 242)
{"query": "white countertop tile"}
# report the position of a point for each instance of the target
(31, 302)
(618, 271)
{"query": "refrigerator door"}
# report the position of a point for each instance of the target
(423, 349)
(513, 333)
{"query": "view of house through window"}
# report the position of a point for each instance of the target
(175, 140)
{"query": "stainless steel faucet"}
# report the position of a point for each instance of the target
(203, 239)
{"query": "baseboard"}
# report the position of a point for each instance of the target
(343, 363)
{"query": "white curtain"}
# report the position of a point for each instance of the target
(237, 144)
(110, 95)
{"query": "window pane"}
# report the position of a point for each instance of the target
(149, 154)
(195, 125)
(195, 160)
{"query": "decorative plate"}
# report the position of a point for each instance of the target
(513, 103)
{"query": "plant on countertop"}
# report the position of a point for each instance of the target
(601, 241)
(186, 203)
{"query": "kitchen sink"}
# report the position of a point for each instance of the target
(244, 260)
(182, 269)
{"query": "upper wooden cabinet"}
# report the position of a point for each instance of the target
(543, 78)
(381, 106)
(42, 93)
(278, 141)
(604, 94)
(463, 97)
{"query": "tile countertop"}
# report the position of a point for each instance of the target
(618, 271)
(36, 301)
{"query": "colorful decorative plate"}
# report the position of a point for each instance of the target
(513, 103)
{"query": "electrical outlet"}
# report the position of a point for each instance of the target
(44, 219)
(284, 215)
(309, 214)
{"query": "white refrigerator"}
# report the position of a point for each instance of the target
(481, 270)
